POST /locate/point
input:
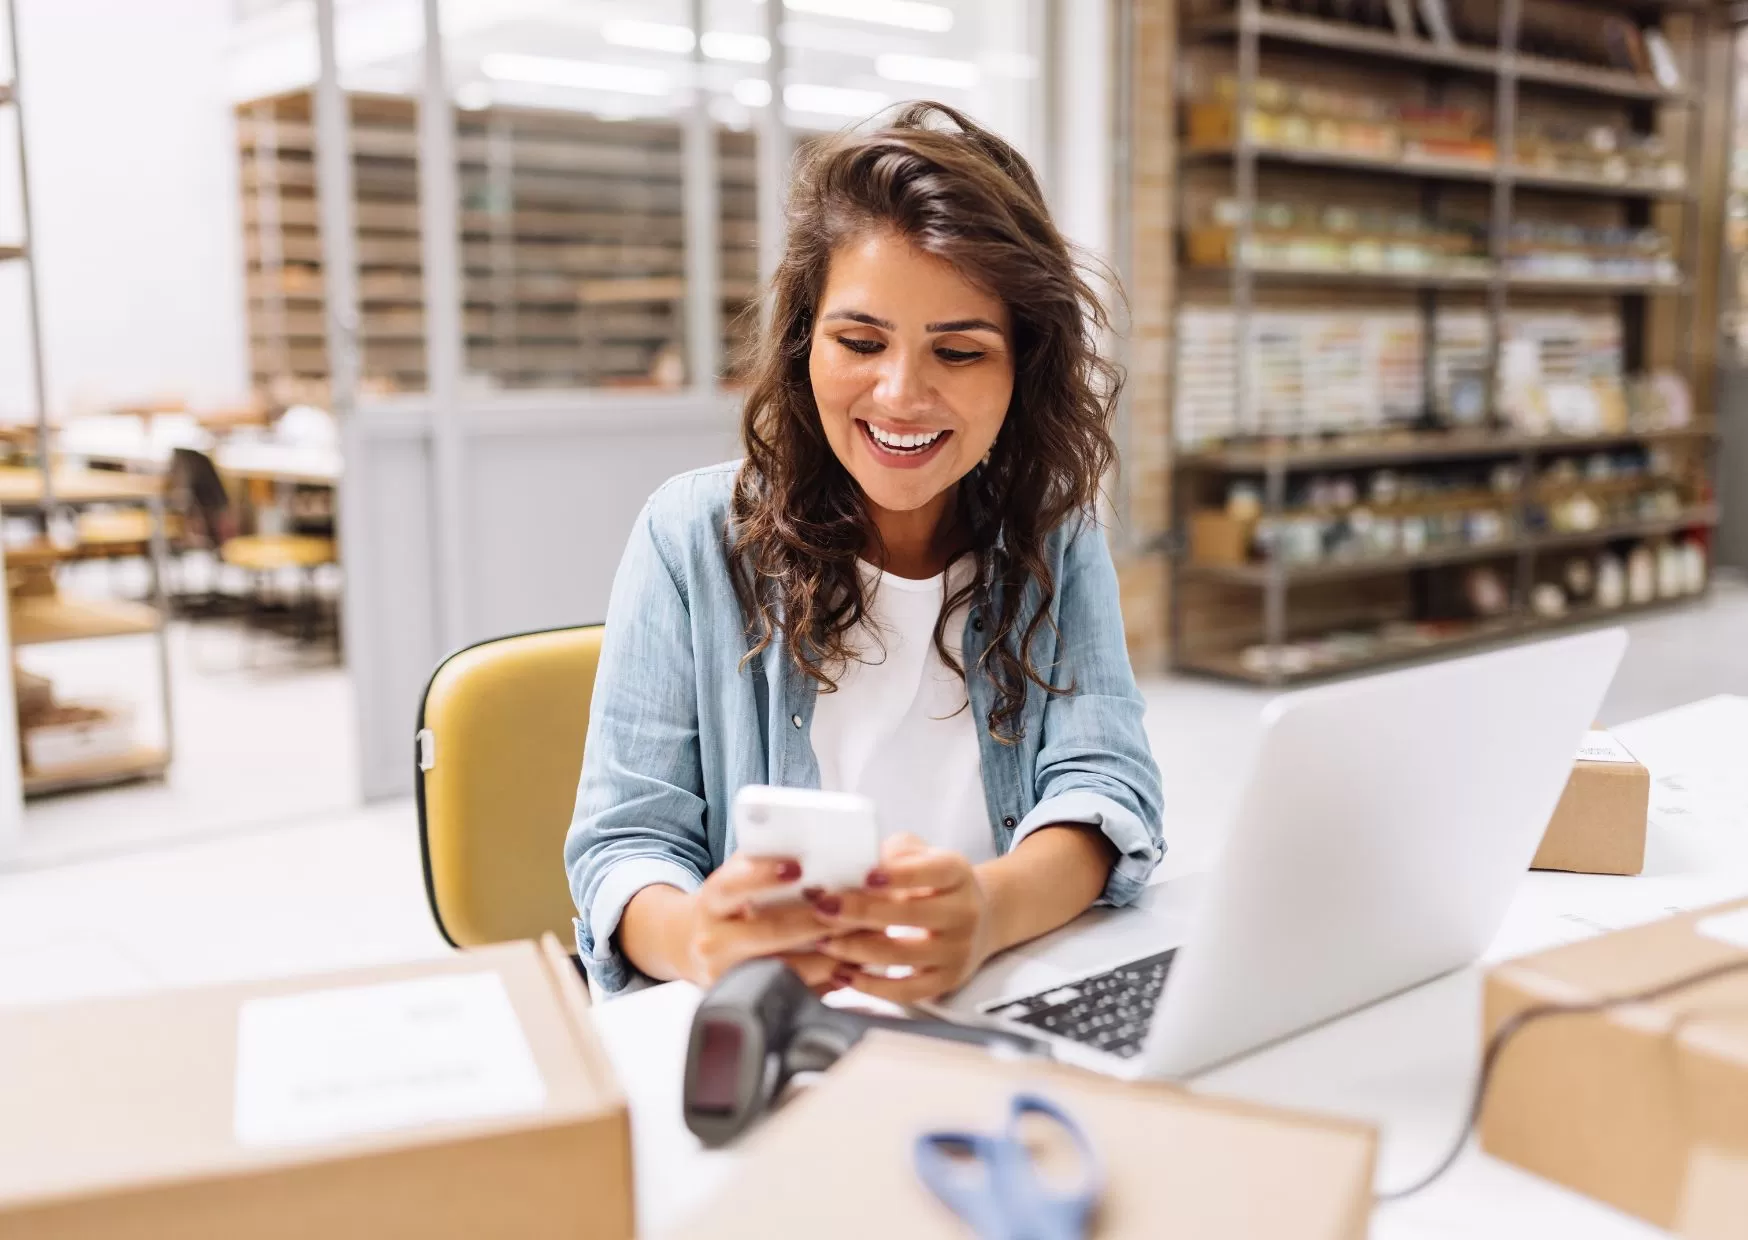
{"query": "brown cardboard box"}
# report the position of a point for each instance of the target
(1599, 825)
(836, 1161)
(1219, 538)
(330, 1107)
(1643, 1106)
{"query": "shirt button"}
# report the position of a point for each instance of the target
(795, 719)
(977, 623)
(1008, 823)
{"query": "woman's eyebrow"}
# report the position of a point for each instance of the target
(856, 316)
(964, 325)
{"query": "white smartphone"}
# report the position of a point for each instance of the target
(833, 835)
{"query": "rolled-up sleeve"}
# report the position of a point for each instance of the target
(1094, 766)
(640, 813)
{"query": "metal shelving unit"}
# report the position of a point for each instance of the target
(1251, 32)
(46, 490)
(572, 243)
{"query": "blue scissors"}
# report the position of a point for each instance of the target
(1009, 1200)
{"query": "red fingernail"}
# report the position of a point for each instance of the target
(829, 905)
(812, 893)
(788, 871)
(845, 976)
(878, 878)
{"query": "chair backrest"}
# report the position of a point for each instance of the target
(197, 491)
(499, 753)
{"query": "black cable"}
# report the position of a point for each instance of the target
(1529, 1016)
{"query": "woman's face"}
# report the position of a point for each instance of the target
(912, 369)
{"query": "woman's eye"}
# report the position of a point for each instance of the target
(856, 345)
(958, 355)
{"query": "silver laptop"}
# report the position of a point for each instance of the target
(1382, 834)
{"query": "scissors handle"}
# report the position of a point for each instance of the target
(1010, 1201)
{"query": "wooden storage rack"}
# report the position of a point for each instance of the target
(1252, 33)
(572, 244)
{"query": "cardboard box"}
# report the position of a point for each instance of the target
(462, 1097)
(1643, 1106)
(837, 1159)
(1217, 538)
(1599, 825)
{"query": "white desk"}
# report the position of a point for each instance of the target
(280, 462)
(1406, 1064)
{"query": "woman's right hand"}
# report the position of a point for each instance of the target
(723, 927)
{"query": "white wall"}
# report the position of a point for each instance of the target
(133, 176)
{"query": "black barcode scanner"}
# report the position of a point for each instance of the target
(760, 1025)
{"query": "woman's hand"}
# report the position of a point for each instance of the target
(702, 935)
(937, 896)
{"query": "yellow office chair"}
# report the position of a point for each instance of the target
(500, 748)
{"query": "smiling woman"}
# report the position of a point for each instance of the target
(901, 591)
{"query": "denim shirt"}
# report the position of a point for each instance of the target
(678, 723)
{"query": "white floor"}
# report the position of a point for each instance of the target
(254, 860)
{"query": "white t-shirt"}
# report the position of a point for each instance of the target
(898, 729)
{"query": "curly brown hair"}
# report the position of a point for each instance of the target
(799, 521)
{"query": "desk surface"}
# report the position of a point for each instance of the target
(1406, 1064)
(22, 486)
(279, 462)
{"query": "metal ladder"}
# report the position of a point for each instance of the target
(19, 251)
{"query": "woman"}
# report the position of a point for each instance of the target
(899, 591)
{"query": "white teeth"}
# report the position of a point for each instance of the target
(910, 442)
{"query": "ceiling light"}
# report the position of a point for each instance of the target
(473, 96)
(751, 49)
(651, 36)
(577, 74)
(908, 14)
(832, 100)
(803, 97)
(926, 70)
(752, 92)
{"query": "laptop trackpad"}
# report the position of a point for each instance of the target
(1096, 940)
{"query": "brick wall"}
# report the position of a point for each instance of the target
(1146, 454)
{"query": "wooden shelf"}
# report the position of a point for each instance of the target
(139, 763)
(1703, 517)
(1405, 165)
(1593, 284)
(1354, 453)
(1273, 274)
(1481, 172)
(1257, 575)
(1226, 665)
(11, 252)
(35, 621)
(6, 95)
(1382, 45)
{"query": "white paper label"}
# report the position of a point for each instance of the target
(361, 1059)
(1731, 928)
(1603, 747)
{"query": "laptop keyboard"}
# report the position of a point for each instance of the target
(1109, 1011)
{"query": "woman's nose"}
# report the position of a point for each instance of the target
(901, 387)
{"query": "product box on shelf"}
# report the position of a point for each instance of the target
(74, 732)
(1599, 825)
(1643, 1105)
(461, 1097)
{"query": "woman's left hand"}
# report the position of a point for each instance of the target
(932, 892)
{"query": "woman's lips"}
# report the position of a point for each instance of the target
(901, 458)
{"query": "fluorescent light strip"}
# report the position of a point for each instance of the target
(651, 36)
(576, 74)
(906, 14)
(677, 40)
(806, 97)
(750, 49)
(927, 70)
